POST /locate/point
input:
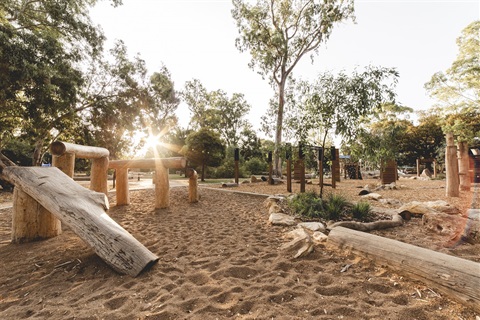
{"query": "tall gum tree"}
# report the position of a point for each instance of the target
(278, 33)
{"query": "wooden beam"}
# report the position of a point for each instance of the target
(192, 185)
(85, 212)
(170, 163)
(59, 148)
(458, 278)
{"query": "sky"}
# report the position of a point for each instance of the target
(196, 39)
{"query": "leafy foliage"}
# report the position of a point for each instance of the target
(361, 210)
(278, 33)
(457, 90)
(204, 148)
(307, 204)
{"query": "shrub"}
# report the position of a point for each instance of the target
(307, 204)
(256, 166)
(361, 211)
(334, 206)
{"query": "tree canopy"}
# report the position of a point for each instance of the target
(279, 33)
(457, 90)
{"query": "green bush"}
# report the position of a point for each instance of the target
(361, 211)
(256, 166)
(334, 206)
(307, 204)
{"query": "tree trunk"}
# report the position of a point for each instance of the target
(85, 212)
(463, 166)
(458, 278)
(278, 131)
(38, 153)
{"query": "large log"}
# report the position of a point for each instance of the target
(455, 277)
(31, 221)
(170, 163)
(452, 188)
(59, 148)
(85, 212)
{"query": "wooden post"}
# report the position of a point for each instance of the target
(301, 162)
(123, 197)
(333, 169)
(160, 178)
(31, 221)
(99, 175)
(65, 162)
(418, 167)
(434, 168)
(451, 167)
(192, 185)
(237, 158)
(270, 168)
(463, 166)
(337, 165)
(288, 157)
(456, 277)
(162, 187)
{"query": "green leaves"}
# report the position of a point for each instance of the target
(457, 90)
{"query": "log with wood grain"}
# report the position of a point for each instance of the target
(455, 277)
(85, 212)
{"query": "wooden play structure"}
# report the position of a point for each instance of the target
(83, 210)
(64, 155)
(456, 277)
(44, 198)
(162, 184)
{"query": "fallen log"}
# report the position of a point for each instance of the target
(458, 278)
(85, 212)
(396, 221)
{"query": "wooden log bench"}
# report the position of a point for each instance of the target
(458, 278)
(81, 209)
(162, 185)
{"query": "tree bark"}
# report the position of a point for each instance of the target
(30, 220)
(85, 212)
(451, 167)
(455, 277)
(463, 166)
(278, 131)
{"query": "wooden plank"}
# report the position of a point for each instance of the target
(85, 212)
(455, 277)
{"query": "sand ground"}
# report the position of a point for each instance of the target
(220, 259)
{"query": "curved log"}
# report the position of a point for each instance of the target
(396, 221)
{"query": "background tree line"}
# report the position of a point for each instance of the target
(57, 81)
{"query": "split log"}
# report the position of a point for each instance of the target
(455, 277)
(85, 212)
(229, 185)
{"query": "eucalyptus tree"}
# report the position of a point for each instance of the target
(339, 104)
(457, 90)
(279, 33)
(196, 97)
